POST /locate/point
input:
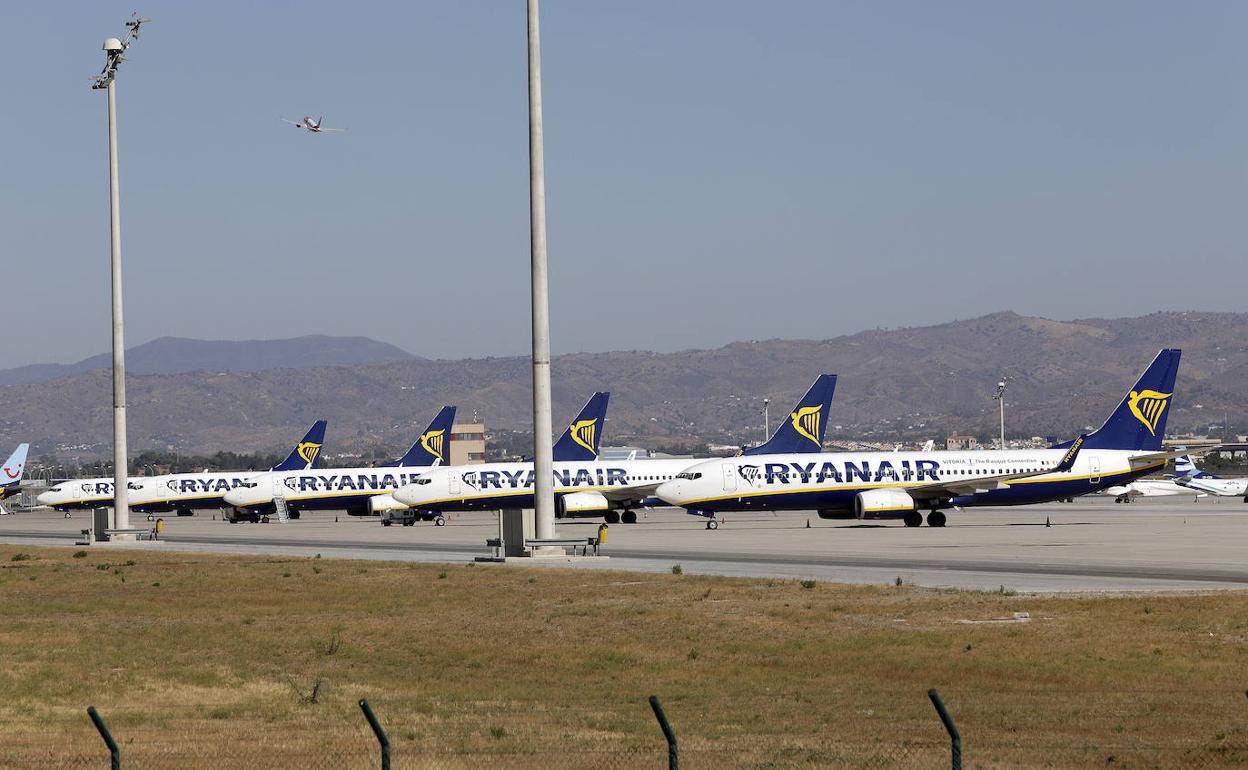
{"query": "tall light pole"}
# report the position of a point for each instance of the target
(1000, 398)
(766, 419)
(114, 51)
(543, 483)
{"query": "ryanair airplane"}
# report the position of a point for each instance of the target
(11, 473)
(181, 493)
(352, 489)
(882, 485)
(585, 487)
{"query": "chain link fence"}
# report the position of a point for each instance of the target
(428, 738)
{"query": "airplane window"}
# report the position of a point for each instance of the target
(422, 481)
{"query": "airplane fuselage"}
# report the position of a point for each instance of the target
(831, 482)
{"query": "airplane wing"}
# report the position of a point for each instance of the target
(976, 485)
(332, 130)
(291, 122)
(633, 493)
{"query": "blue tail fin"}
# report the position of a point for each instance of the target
(1139, 422)
(11, 471)
(1185, 467)
(434, 445)
(580, 441)
(802, 430)
(306, 452)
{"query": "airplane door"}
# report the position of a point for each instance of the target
(453, 483)
(730, 477)
(1094, 464)
(279, 488)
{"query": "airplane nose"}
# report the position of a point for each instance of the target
(45, 498)
(406, 495)
(233, 498)
(670, 492)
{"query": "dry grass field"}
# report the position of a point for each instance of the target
(207, 661)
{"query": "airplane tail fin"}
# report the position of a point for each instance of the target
(581, 440)
(1139, 422)
(1185, 467)
(11, 471)
(434, 445)
(803, 429)
(306, 452)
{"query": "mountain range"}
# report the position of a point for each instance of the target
(909, 383)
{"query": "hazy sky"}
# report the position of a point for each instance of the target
(717, 170)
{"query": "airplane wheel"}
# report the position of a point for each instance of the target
(67, 514)
(411, 523)
(712, 524)
(612, 517)
(629, 517)
(264, 519)
(913, 519)
(439, 522)
(936, 519)
(150, 517)
(385, 523)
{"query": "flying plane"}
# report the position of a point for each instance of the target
(360, 491)
(885, 485)
(1188, 475)
(313, 126)
(588, 487)
(183, 493)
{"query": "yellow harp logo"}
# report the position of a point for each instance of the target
(433, 441)
(806, 422)
(1148, 406)
(308, 451)
(582, 432)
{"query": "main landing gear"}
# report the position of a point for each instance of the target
(628, 516)
(915, 519)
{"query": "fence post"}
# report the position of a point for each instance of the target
(382, 738)
(114, 752)
(673, 752)
(955, 738)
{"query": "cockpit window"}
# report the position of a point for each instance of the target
(422, 481)
(687, 476)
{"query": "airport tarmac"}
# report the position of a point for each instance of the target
(1092, 544)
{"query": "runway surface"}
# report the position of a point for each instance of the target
(1092, 544)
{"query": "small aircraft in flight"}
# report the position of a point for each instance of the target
(312, 126)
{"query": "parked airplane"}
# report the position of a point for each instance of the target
(1127, 493)
(1188, 475)
(591, 488)
(351, 489)
(313, 126)
(180, 492)
(11, 474)
(878, 485)
(12, 470)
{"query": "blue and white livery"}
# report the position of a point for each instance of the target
(879, 485)
(181, 493)
(593, 488)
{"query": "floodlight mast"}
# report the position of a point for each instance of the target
(114, 51)
(543, 449)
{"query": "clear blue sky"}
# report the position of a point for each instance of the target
(717, 170)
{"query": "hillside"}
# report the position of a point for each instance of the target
(176, 355)
(914, 383)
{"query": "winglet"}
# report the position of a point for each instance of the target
(1068, 459)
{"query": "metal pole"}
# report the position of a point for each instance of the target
(114, 752)
(955, 737)
(121, 502)
(1002, 419)
(379, 731)
(544, 485)
(766, 418)
(673, 751)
